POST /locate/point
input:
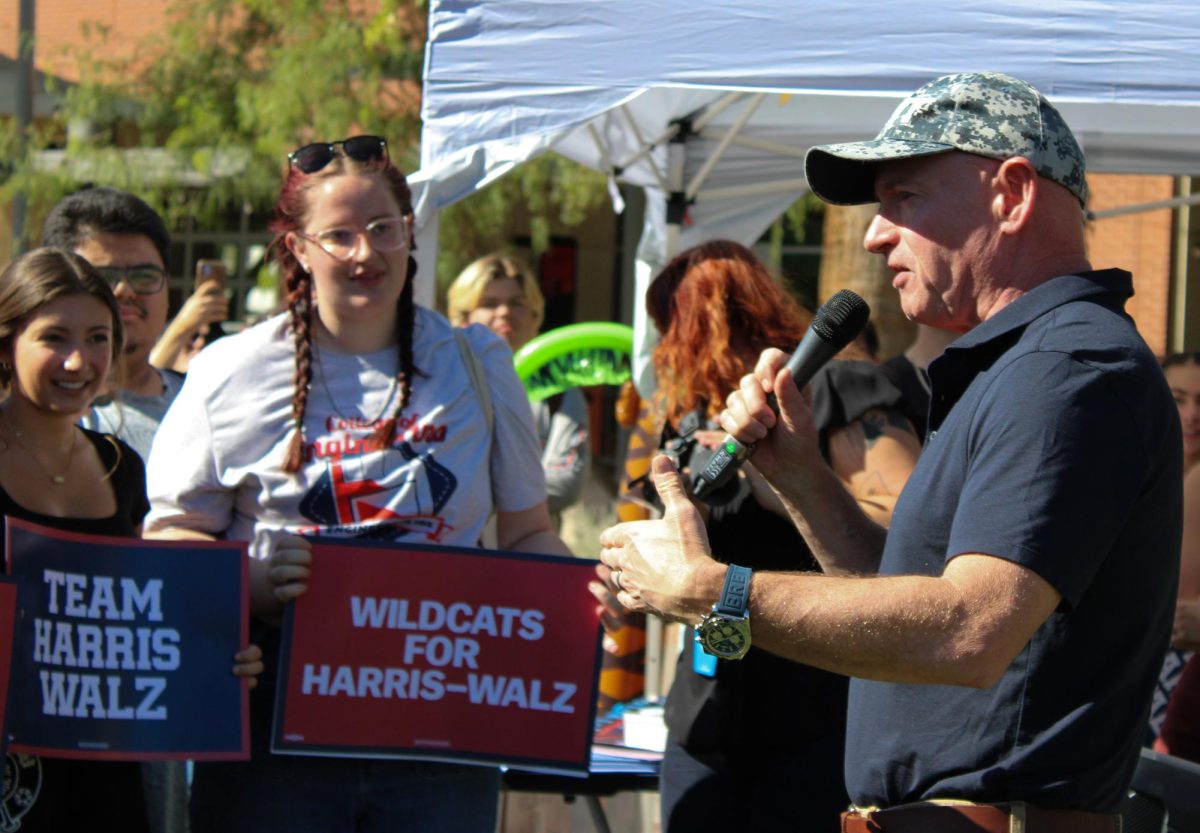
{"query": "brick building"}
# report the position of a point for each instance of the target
(1144, 244)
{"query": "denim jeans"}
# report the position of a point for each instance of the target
(293, 794)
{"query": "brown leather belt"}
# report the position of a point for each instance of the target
(963, 817)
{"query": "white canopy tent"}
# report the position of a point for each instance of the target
(710, 105)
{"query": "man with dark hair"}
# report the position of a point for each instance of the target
(1006, 631)
(128, 242)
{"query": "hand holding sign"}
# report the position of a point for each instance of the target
(248, 662)
(288, 572)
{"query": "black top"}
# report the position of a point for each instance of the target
(1054, 444)
(52, 794)
(128, 481)
(763, 701)
(913, 383)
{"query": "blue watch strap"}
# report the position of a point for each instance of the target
(735, 595)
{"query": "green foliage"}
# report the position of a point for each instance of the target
(226, 89)
(804, 220)
(802, 224)
(198, 118)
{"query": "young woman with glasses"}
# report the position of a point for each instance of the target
(350, 415)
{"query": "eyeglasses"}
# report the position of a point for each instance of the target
(144, 280)
(312, 158)
(386, 234)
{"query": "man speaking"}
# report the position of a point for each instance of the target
(1006, 632)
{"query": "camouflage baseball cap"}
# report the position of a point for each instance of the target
(985, 113)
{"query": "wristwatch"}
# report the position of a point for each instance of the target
(725, 631)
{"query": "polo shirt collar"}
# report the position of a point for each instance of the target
(1035, 303)
(953, 371)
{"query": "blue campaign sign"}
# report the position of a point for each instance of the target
(124, 647)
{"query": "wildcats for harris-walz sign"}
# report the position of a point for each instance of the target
(440, 653)
(124, 648)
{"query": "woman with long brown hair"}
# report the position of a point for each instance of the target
(60, 335)
(353, 414)
(761, 729)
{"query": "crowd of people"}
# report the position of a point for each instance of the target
(933, 561)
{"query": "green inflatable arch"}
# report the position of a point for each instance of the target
(578, 355)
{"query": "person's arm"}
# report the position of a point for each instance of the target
(842, 537)
(1021, 538)
(529, 530)
(188, 500)
(1186, 633)
(204, 307)
(961, 628)
(248, 661)
(874, 456)
(566, 456)
(273, 581)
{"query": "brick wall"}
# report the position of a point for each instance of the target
(1138, 242)
(60, 26)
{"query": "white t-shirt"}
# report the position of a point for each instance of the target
(215, 465)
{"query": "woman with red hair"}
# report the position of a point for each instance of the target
(763, 730)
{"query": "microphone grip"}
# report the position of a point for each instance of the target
(808, 358)
(812, 354)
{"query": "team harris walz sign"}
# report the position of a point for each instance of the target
(124, 647)
(441, 653)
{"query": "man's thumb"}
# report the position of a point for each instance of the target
(667, 481)
(788, 397)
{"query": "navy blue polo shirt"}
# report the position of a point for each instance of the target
(1054, 443)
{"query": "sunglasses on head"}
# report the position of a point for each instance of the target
(312, 158)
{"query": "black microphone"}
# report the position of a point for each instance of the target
(836, 324)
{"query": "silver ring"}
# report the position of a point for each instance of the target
(616, 579)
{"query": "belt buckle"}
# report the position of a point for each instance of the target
(1016, 817)
(864, 814)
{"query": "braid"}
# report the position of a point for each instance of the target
(407, 371)
(407, 321)
(300, 308)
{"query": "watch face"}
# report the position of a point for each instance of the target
(726, 638)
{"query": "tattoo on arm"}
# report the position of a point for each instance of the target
(873, 485)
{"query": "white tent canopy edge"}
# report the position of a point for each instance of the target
(716, 103)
